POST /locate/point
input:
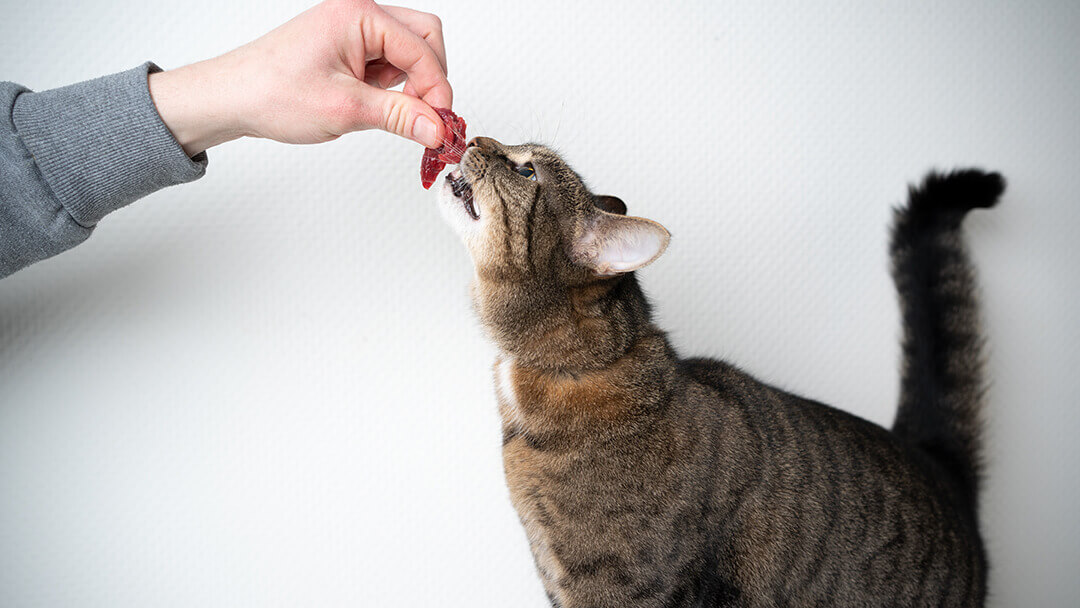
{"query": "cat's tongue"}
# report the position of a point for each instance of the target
(451, 150)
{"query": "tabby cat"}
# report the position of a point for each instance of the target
(647, 480)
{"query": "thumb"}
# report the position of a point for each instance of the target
(400, 114)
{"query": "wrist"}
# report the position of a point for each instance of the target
(197, 105)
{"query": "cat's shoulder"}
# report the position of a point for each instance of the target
(712, 372)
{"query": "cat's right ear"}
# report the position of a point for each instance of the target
(612, 244)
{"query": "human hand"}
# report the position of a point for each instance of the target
(321, 75)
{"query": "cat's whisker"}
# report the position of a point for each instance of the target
(558, 124)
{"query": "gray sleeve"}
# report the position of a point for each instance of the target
(69, 156)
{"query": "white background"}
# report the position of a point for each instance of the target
(267, 387)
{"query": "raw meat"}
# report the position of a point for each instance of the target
(451, 150)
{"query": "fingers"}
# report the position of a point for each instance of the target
(425, 25)
(385, 36)
(398, 113)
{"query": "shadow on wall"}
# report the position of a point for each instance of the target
(53, 300)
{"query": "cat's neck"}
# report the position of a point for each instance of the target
(572, 358)
(543, 404)
(566, 330)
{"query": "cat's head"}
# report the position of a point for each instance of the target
(550, 256)
(525, 215)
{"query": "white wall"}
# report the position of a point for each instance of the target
(267, 387)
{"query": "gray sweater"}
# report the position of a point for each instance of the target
(69, 156)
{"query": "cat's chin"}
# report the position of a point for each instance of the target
(456, 203)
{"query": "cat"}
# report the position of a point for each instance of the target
(647, 480)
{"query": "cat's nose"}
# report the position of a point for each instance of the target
(484, 143)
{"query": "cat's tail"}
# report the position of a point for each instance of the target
(942, 388)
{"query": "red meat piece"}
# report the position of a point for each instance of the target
(453, 146)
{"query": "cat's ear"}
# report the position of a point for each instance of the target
(611, 204)
(612, 244)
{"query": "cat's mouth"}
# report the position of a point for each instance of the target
(462, 191)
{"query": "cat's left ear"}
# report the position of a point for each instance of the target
(611, 204)
(612, 244)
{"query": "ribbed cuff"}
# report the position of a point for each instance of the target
(100, 144)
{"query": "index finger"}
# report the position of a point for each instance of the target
(425, 25)
(387, 37)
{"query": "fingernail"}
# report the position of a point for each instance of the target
(425, 132)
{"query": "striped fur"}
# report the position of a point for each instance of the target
(647, 480)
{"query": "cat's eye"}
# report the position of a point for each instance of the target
(526, 170)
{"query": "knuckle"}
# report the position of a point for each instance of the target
(345, 10)
(353, 8)
(396, 118)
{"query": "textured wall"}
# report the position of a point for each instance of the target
(267, 387)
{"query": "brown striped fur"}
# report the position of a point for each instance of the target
(646, 480)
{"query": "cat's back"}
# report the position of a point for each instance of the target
(814, 502)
